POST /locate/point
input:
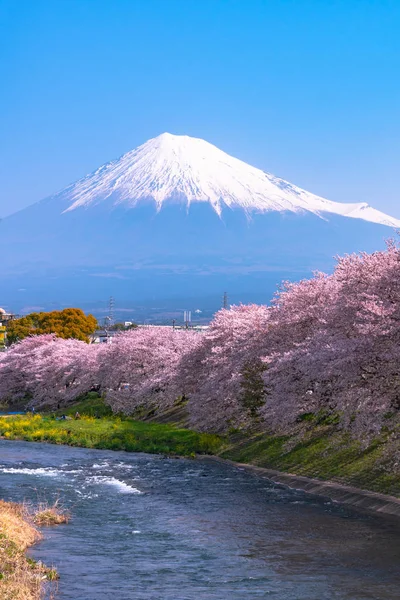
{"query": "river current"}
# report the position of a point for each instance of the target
(151, 528)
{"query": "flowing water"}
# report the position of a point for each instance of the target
(152, 528)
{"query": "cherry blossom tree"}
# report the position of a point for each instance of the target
(347, 359)
(213, 375)
(139, 367)
(46, 370)
(19, 367)
(326, 345)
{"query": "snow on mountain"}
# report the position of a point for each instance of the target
(172, 168)
(177, 218)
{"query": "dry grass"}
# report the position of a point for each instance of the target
(22, 578)
(45, 515)
(15, 524)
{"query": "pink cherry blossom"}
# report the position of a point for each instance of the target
(327, 345)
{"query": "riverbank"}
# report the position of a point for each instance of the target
(323, 452)
(110, 433)
(22, 578)
(317, 457)
(144, 525)
(337, 492)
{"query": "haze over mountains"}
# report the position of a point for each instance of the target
(177, 218)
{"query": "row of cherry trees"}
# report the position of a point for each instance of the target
(328, 344)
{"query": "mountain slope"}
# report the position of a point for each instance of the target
(177, 216)
(186, 170)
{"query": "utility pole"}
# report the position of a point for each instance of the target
(111, 305)
(109, 319)
(187, 317)
(225, 300)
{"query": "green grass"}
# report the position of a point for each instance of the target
(326, 453)
(110, 434)
(90, 405)
(317, 448)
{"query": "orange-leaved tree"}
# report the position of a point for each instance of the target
(67, 323)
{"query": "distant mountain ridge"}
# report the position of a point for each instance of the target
(173, 216)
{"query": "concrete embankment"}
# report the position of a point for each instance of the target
(344, 494)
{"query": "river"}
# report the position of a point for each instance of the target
(146, 527)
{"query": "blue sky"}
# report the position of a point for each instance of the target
(306, 89)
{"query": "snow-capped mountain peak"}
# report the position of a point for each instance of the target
(172, 168)
(177, 218)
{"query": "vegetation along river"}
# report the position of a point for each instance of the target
(146, 527)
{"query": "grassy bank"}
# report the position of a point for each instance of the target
(316, 448)
(110, 433)
(22, 578)
(326, 453)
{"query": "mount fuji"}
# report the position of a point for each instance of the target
(177, 217)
